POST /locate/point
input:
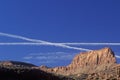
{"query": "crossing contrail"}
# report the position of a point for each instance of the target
(44, 44)
(38, 42)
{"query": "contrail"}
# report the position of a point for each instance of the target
(117, 56)
(44, 44)
(92, 44)
(41, 41)
(21, 43)
(75, 44)
(20, 37)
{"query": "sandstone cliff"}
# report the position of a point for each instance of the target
(86, 62)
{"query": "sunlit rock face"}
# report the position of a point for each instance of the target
(92, 58)
(84, 62)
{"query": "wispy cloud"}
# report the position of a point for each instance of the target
(51, 57)
(27, 57)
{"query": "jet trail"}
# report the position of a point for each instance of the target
(21, 43)
(41, 41)
(92, 44)
(36, 42)
(21, 37)
(75, 44)
(117, 56)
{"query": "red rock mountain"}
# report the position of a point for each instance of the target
(92, 58)
(86, 62)
(92, 65)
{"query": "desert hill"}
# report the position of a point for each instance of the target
(92, 65)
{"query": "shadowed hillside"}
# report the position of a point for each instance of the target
(20, 72)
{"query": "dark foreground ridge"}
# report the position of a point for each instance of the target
(21, 72)
(92, 65)
(17, 63)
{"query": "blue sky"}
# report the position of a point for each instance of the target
(57, 21)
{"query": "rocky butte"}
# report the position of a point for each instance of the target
(92, 65)
(95, 63)
(86, 62)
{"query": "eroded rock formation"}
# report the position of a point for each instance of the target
(86, 62)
